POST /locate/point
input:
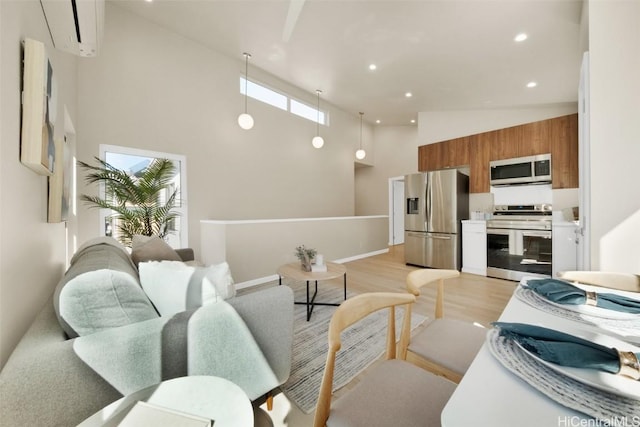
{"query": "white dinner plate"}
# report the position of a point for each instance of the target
(612, 383)
(589, 309)
(595, 311)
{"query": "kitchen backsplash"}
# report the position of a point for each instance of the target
(559, 198)
(522, 195)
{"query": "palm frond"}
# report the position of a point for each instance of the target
(135, 199)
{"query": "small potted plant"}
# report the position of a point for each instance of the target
(305, 255)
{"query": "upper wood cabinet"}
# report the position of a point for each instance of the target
(536, 138)
(479, 152)
(558, 136)
(443, 155)
(564, 152)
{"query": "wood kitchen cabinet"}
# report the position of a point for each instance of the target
(479, 153)
(452, 153)
(558, 136)
(443, 155)
(520, 141)
(564, 152)
(505, 143)
(428, 157)
(536, 138)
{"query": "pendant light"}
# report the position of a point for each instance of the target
(360, 154)
(317, 140)
(245, 120)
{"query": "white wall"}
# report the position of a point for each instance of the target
(256, 249)
(32, 251)
(153, 89)
(396, 150)
(435, 126)
(614, 43)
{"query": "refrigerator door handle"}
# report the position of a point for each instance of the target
(416, 234)
(427, 213)
(439, 237)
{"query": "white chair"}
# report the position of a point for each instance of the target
(389, 393)
(445, 346)
(621, 281)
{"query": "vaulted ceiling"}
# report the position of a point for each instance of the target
(449, 54)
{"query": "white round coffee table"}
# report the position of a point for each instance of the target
(205, 396)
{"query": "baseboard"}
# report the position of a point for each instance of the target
(367, 255)
(267, 279)
(476, 271)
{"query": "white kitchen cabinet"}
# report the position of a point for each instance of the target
(474, 247)
(564, 247)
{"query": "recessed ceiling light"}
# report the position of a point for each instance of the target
(520, 37)
(373, 67)
(532, 84)
(378, 121)
(413, 120)
(408, 94)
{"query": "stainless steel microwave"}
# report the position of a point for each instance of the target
(521, 170)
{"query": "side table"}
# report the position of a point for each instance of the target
(295, 272)
(204, 396)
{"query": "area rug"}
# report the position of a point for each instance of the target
(310, 345)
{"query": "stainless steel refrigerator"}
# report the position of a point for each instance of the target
(435, 204)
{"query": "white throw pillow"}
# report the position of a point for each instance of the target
(174, 286)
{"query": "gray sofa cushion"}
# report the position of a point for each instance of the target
(100, 290)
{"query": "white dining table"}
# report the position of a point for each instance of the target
(490, 395)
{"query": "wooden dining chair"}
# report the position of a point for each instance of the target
(391, 392)
(445, 346)
(621, 281)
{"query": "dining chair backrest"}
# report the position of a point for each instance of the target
(348, 313)
(390, 392)
(621, 281)
(445, 347)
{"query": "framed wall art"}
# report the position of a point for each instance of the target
(39, 103)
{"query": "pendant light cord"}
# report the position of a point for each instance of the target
(318, 91)
(246, 78)
(361, 130)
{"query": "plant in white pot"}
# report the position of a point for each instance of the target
(305, 255)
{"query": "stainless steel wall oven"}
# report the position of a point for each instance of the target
(519, 242)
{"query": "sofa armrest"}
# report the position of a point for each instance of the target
(186, 254)
(45, 383)
(269, 315)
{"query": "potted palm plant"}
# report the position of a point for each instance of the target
(140, 203)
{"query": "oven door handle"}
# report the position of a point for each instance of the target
(533, 233)
(499, 231)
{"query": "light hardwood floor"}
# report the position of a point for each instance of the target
(471, 298)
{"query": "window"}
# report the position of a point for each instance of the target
(264, 94)
(283, 102)
(310, 113)
(133, 161)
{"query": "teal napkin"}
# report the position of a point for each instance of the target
(560, 348)
(562, 292)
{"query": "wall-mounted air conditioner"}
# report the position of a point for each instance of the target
(76, 26)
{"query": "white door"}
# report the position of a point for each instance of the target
(398, 212)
